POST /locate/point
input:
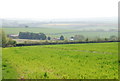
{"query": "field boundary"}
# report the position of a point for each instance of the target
(18, 45)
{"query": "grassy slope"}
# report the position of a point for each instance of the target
(75, 61)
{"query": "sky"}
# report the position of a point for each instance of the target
(58, 9)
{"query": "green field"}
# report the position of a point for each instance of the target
(57, 32)
(68, 61)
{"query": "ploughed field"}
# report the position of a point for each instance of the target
(68, 61)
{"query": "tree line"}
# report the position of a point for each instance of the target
(8, 42)
(38, 36)
(29, 35)
(42, 36)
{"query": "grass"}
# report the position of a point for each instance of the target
(68, 61)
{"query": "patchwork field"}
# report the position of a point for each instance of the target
(68, 61)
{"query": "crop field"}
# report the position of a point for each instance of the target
(67, 61)
(56, 32)
(37, 30)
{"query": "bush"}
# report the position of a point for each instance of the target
(5, 40)
(11, 43)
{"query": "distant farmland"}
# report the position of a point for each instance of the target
(70, 61)
(56, 32)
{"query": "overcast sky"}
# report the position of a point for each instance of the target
(55, 9)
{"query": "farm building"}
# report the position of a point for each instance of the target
(14, 36)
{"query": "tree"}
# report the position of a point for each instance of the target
(99, 39)
(113, 37)
(43, 36)
(28, 35)
(61, 37)
(87, 40)
(79, 37)
(118, 38)
(71, 38)
(26, 26)
(11, 42)
(5, 40)
(49, 38)
(106, 39)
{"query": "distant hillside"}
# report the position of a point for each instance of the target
(78, 24)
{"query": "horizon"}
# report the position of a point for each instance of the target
(62, 19)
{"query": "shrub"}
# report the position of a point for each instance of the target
(5, 40)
